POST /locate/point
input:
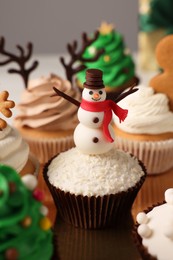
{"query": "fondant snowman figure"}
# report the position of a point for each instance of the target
(94, 134)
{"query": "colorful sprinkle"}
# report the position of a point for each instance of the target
(26, 222)
(44, 210)
(45, 223)
(12, 187)
(11, 254)
(92, 50)
(38, 195)
(106, 58)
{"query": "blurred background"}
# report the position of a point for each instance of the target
(50, 25)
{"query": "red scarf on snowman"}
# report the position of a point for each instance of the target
(106, 106)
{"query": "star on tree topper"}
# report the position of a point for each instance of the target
(106, 28)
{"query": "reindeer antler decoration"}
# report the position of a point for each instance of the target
(78, 56)
(5, 106)
(20, 59)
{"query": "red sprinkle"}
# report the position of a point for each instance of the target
(38, 195)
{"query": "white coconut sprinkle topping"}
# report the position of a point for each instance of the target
(94, 175)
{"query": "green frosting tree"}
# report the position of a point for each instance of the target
(116, 62)
(25, 232)
(157, 14)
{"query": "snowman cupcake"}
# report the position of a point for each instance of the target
(94, 184)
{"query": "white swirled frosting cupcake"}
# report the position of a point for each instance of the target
(148, 131)
(47, 122)
(14, 152)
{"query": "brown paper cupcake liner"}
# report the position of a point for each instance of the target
(45, 149)
(156, 156)
(93, 212)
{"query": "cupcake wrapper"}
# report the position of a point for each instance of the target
(45, 149)
(156, 156)
(93, 212)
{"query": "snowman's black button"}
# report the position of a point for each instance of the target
(95, 120)
(95, 140)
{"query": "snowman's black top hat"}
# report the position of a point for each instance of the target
(94, 79)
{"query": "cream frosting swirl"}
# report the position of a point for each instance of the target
(41, 111)
(14, 151)
(148, 113)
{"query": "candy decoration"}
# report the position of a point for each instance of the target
(38, 195)
(12, 187)
(11, 254)
(106, 58)
(26, 222)
(44, 210)
(30, 181)
(45, 223)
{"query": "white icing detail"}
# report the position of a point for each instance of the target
(94, 175)
(44, 210)
(160, 243)
(30, 181)
(14, 151)
(142, 218)
(169, 196)
(148, 113)
(144, 231)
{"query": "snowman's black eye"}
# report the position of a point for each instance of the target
(100, 92)
(91, 92)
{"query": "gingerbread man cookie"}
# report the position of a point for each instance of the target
(5, 106)
(163, 82)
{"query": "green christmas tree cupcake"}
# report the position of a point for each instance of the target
(116, 61)
(24, 228)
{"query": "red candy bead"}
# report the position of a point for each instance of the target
(11, 254)
(38, 195)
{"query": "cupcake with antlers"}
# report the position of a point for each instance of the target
(94, 184)
(46, 123)
(108, 53)
(14, 151)
(25, 229)
(148, 131)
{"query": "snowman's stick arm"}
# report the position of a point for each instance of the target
(62, 94)
(125, 94)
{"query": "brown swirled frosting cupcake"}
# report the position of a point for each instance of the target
(47, 122)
